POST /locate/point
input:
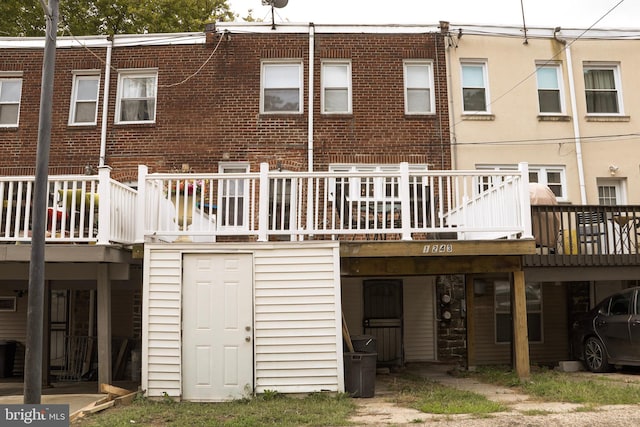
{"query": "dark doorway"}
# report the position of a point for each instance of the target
(383, 319)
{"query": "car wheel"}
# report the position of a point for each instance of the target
(595, 355)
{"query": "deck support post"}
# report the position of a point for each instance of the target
(520, 335)
(104, 324)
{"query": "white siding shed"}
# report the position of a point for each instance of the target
(297, 330)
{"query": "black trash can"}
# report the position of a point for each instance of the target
(360, 374)
(364, 343)
(7, 356)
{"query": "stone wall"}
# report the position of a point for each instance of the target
(452, 327)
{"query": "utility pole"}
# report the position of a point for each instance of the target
(35, 303)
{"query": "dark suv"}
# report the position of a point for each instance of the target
(609, 334)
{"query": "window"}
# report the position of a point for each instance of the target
(10, 93)
(84, 100)
(136, 97)
(7, 303)
(550, 99)
(418, 84)
(233, 211)
(474, 87)
(336, 87)
(281, 88)
(611, 191)
(369, 188)
(601, 84)
(504, 323)
(619, 305)
(553, 177)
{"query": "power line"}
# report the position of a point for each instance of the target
(560, 140)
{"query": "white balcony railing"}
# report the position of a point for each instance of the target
(270, 205)
(80, 209)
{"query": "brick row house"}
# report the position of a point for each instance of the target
(223, 201)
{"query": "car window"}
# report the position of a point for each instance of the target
(620, 304)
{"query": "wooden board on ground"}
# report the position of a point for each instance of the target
(111, 389)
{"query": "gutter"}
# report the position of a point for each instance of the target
(105, 106)
(574, 116)
(310, 108)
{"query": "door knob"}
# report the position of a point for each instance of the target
(247, 339)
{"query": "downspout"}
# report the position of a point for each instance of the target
(310, 126)
(310, 108)
(452, 120)
(105, 105)
(574, 117)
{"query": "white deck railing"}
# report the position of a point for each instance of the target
(80, 209)
(270, 205)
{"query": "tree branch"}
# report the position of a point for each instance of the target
(46, 8)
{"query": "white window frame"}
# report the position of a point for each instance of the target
(408, 87)
(326, 86)
(137, 73)
(560, 88)
(541, 171)
(485, 78)
(372, 189)
(226, 199)
(619, 187)
(5, 77)
(615, 68)
(8, 303)
(268, 65)
(77, 77)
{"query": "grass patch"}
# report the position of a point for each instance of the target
(430, 397)
(534, 412)
(554, 386)
(271, 409)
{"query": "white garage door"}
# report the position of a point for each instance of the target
(217, 348)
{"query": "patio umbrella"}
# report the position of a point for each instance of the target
(546, 223)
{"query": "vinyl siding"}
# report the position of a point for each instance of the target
(555, 344)
(298, 328)
(419, 341)
(161, 323)
(14, 328)
(419, 318)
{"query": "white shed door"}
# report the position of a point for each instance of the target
(217, 347)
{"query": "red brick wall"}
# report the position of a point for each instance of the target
(214, 116)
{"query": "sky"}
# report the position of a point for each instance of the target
(537, 13)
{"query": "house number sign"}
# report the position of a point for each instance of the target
(443, 248)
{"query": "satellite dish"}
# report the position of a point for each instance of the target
(275, 3)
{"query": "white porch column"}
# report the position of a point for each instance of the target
(525, 202)
(140, 212)
(405, 204)
(104, 205)
(263, 203)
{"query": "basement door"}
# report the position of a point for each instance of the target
(383, 318)
(217, 330)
